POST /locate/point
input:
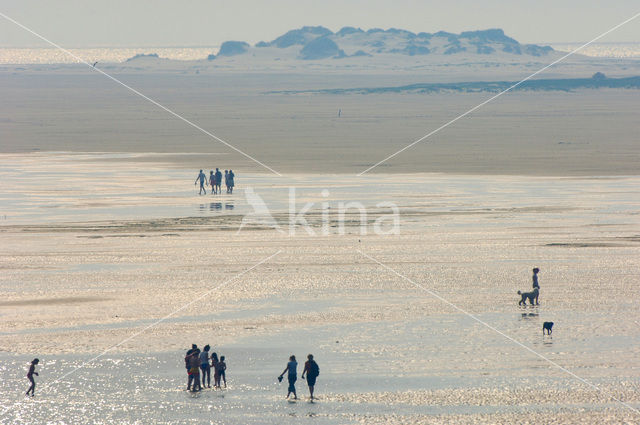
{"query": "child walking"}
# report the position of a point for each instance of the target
(223, 371)
(216, 370)
(32, 371)
(220, 374)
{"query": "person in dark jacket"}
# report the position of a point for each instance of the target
(312, 370)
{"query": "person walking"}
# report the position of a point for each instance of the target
(535, 278)
(187, 363)
(32, 371)
(194, 371)
(218, 176)
(216, 371)
(232, 182)
(535, 282)
(292, 376)
(222, 374)
(204, 366)
(312, 370)
(226, 179)
(212, 182)
(203, 180)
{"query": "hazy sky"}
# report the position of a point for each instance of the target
(83, 23)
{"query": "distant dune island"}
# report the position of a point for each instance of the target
(597, 81)
(315, 43)
(143, 56)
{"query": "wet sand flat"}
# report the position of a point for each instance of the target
(576, 133)
(50, 301)
(389, 351)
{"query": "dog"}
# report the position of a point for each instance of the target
(530, 295)
(548, 326)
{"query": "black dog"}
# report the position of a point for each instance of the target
(547, 326)
(530, 295)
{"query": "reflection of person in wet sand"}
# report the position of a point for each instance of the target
(32, 371)
(203, 180)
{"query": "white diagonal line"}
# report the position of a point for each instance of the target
(146, 328)
(500, 94)
(147, 98)
(482, 322)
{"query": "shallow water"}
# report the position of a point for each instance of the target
(45, 188)
(389, 351)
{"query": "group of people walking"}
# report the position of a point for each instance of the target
(199, 365)
(196, 361)
(215, 181)
(311, 370)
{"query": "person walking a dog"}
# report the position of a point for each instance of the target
(534, 294)
(535, 278)
(536, 286)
